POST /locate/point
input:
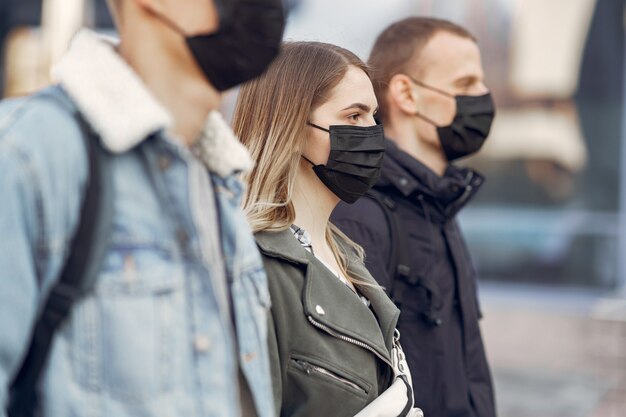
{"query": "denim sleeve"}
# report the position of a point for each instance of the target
(42, 172)
(18, 259)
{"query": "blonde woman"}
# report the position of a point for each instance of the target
(309, 125)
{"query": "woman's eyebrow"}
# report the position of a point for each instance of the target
(360, 106)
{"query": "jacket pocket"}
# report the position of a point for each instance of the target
(132, 325)
(309, 369)
(314, 369)
(314, 388)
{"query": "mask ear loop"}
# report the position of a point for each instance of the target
(167, 21)
(308, 160)
(428, 87)
(426, 119)
(317, 127)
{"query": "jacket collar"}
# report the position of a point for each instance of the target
(123, 111)
(330, 302)
(445, 195)
(282, 245)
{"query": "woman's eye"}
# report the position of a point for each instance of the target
(354, 117)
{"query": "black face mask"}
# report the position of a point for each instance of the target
(247, 41)
(471, 125)
(355, 160)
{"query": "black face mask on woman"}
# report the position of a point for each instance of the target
(471, 125)
(247, 41)
(355, 160)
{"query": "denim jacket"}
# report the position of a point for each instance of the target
(151, 339)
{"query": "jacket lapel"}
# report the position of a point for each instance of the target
(385, 310)
(330, 302)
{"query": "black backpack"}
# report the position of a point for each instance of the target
(399, 263)
(78, 275)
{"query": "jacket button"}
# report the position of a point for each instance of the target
(164, 162)
(319, 310)
(249, 357)
(202, 344)
(403, 181)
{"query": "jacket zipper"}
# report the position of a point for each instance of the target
(348, 339)
(308, 367)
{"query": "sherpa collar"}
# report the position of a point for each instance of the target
(120, 108)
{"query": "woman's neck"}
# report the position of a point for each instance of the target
(313, 204)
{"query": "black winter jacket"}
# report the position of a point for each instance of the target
(439, 329)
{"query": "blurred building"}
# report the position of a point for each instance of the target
(35, 33)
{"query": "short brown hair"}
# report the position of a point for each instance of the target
(401, 44)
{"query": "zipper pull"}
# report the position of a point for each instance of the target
(307, 367)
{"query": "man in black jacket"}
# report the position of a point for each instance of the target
(435, 107)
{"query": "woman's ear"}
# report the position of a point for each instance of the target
(402, 95)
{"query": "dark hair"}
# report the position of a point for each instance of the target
(400, 45)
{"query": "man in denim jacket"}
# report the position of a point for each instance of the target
(176, 322)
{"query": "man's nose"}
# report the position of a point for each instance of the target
(479, 89)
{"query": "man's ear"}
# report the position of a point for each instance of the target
(402, 94)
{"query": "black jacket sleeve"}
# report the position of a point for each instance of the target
(365, 223)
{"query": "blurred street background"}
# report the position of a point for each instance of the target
(548, 229)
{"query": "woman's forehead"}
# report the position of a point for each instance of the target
(354, 87)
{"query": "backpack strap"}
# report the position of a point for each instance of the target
(399, 264)
(78, 275)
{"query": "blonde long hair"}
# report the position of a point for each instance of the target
(270, 119)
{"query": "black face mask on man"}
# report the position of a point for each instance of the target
(248, 39)
(354, 162)
(470, 127)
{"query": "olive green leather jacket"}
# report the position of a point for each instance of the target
(329, 353)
